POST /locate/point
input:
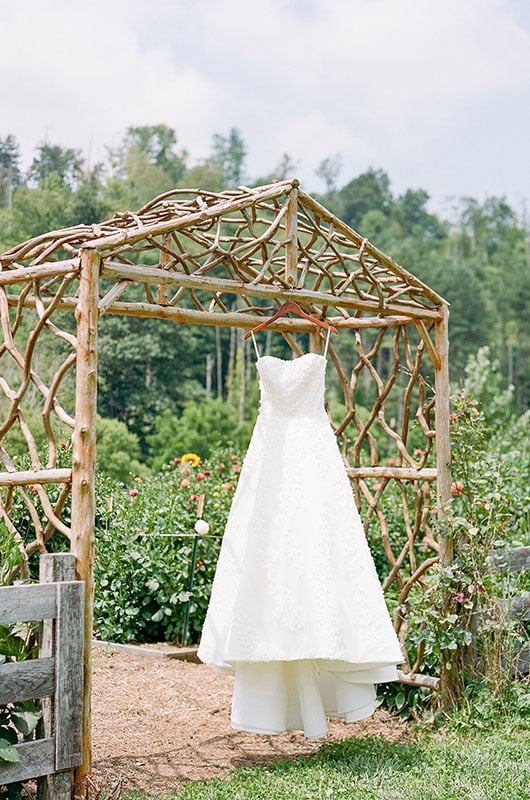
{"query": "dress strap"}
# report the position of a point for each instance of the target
(327, 343)
(255, 344)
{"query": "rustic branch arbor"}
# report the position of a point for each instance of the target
(227, 259)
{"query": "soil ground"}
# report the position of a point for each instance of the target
(160, 723)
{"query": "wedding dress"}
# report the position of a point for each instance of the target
(297, 613)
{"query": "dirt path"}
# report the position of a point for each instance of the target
(160, 723)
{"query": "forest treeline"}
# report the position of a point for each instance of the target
(479, 260)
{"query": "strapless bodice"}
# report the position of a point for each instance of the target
(293, 388)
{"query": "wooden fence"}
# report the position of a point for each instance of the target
(517, 559)
(55, 677)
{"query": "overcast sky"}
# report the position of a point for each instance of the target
(435, 93)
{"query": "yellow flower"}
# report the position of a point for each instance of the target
(191, 458)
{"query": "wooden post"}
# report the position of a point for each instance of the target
(54, 568)
(84, 466)
(291, 237)
(443, 442)
(450, 679)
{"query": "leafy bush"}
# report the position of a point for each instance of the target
(201, 427)
(118, 450)
(144, 542)
(17, 643)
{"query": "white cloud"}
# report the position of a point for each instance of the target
(405, 85)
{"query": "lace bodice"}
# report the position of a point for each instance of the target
(292, 388)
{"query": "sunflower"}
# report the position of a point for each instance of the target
(190, 458)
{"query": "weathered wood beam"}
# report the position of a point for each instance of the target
(35, 476)
(26, 603)
(145, 274)
(399, 473)
(36, 758)
(192, 317)
(291, 238)
(414, 679)
(27, 680)
(424, 333)
(49, 270)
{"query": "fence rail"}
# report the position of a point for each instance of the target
(55, 677)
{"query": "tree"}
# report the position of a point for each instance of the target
(199, 429)
(157, 142)
(328, 170)
(53, 159)
(229, 153)
(36, 211)
(368, 192)
(411, 213)
(118, 450)
(146, 366)
(10, 174)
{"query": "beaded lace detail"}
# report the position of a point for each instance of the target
(295, 578)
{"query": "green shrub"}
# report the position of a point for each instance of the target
(144, 542)
(201, 427)
(118, 450)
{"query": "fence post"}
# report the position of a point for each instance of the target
(53, 568)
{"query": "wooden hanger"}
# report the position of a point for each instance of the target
(293, 307)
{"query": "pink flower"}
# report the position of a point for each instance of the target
(377, 486)
(459, 597)
(454, 416)
(133, 492)
(176, 461)
(228, 486)
(457, 488)
(199, 476)
(418, 451)
(185, 483)
(207, 472)
(63, 446)
(391, 462)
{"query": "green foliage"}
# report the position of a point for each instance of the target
(145, 367)
(11, 556)
(17, 720)
(200, 428)
(143, 551)
(118, 450)
(479, 765)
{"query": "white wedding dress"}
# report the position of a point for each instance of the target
(297, 613)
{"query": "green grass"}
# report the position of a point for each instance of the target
(448, 765)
